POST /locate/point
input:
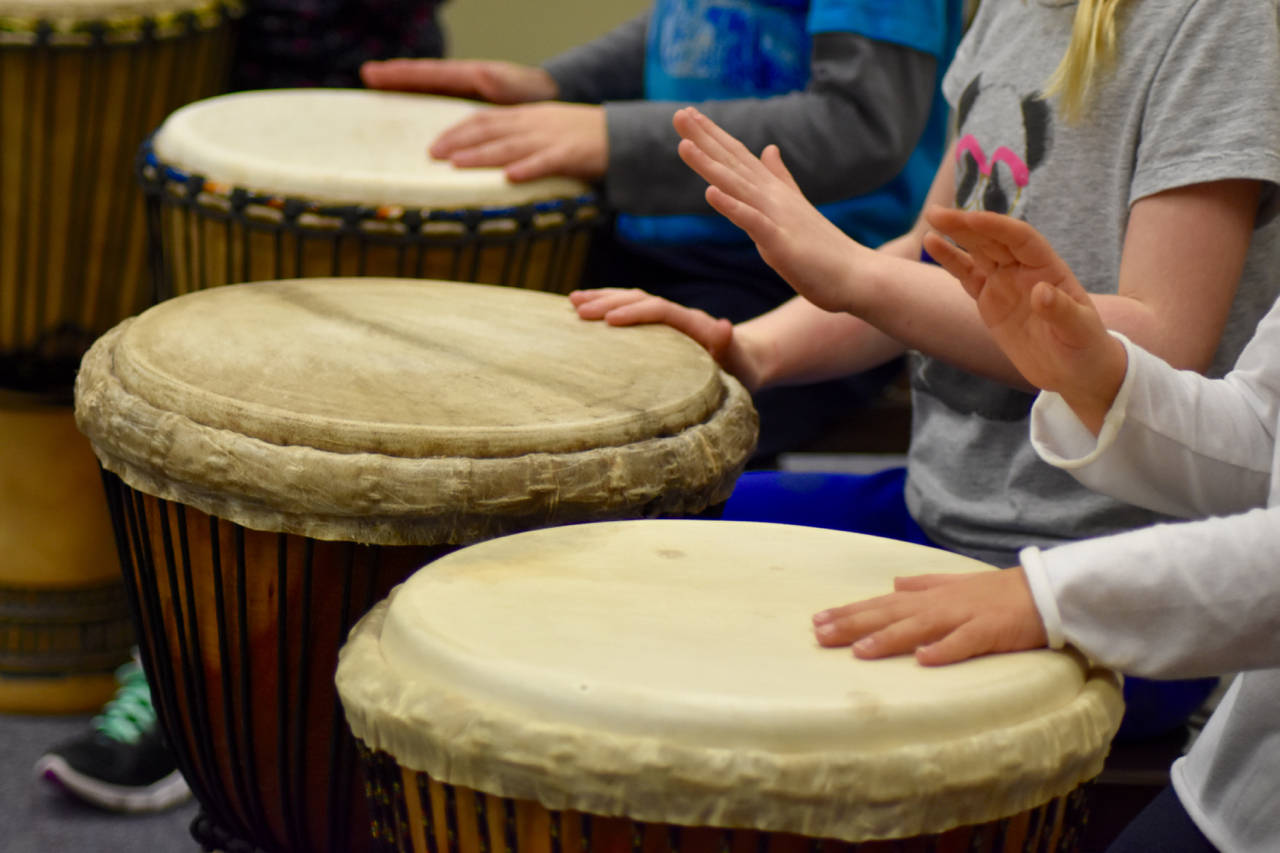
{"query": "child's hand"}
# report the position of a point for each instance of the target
(632, 307)
(759, 195)
(489, 80)
(530, 141)
(942, 618)
(1036, 309)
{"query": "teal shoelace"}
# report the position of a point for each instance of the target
(130, 713)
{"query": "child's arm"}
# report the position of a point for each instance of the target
(1184, 251)
(1179, 443)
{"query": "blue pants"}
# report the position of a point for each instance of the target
(1163, 825)
(876, 504)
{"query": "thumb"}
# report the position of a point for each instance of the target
(772, 159)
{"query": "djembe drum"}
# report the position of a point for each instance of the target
(82, 82)
(654, 686)
(282, 453)
(306, 183)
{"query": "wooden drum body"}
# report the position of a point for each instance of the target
(314, 183)
(654, 686)
(282, 453)
(82, 84)
(64, 623)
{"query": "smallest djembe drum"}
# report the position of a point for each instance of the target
(654, 686)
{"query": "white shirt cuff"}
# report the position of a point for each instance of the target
(1042, 593)
(1062, 440)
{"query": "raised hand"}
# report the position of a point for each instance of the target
(1035, 308)
(531, 141)
(759, 195)
(941, 618)
(488, 80)
(631, 307)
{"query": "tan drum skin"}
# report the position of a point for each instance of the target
(318, 183)
(282, 453)
(64, 623)
(653, 686)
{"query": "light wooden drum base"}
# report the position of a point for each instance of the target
(654, 687)
(64, 619)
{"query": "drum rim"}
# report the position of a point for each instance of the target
(852, 796)
(417, 502)
(158, 177)
(39, 31)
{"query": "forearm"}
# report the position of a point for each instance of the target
(850, 131)
(798, 343)
(1172, 601)
(1174, 441)
(607, 68)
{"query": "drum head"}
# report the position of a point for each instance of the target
(408, 399)
(341, 147)
(666, 670)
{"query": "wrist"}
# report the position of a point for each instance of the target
(1092, 401)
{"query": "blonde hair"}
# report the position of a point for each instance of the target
(1092, 48)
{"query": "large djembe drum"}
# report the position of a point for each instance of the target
(326, 182)
(82, 82)
(280, 454)
(654, 686)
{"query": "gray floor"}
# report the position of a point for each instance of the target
(36, 817)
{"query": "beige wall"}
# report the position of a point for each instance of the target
(529, 30)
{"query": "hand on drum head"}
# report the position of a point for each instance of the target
(1036, 309)
(942, 618)
(632, 307)
(759, 195)
(529, 142)
(488, 80)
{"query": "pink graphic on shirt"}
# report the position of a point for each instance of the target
(1017, 168)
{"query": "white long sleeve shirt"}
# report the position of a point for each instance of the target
(1185, 599)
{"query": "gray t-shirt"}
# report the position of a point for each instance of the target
(1192, 98)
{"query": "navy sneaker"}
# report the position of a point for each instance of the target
(122, 763)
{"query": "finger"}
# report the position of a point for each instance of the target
(772, 159)
(918, 583)
(854, 626)
(594, 304)
(475, 129)
(504, 151)
(1073, 323)
(713, 171)
(956, 261)
(966, 641)
(717, 138)
(963, 227)
(760, 228)
(421, 75)
(540, 163)
(900, 637)
(695, 127)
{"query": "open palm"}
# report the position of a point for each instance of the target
(1033, 305)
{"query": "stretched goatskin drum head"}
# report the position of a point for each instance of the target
(340, 146)
(667, 671)
(398, 411)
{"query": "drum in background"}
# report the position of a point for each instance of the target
(654, 686)
(282, 453)
(64, 622)
(305, 183)
(82, 84)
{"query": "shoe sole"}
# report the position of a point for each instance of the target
(158, 796)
